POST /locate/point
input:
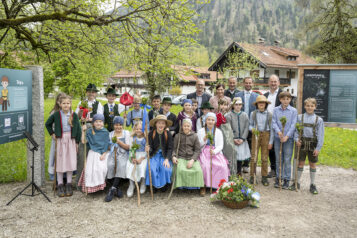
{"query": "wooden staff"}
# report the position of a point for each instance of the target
(296, 162)
(281, 150)
(147, 143)
(136, 182)
(210, 156)
(255, 159)
(85, 159)
(115, 159)
(175, 166)
(55, 173)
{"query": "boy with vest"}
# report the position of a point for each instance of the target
(110, 109)
(260, 125)
(166, 106)
(94, 106)
(312, 139)
(137, 114)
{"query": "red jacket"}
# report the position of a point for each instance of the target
(220, 119)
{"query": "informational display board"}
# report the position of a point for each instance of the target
(15, 104)
(316, 85)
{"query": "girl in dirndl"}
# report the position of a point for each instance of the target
(140, 161)
(93, 176)
(186, 151)
(239, 122)
(67, 133)
(117, 161)
(220, 168)
(160, 151)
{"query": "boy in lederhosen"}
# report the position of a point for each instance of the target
(311, 142)
(110, 109)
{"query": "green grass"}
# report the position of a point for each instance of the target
(339, 150)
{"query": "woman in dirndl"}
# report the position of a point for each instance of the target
(118, 158)
(186, 151)
(220, 168)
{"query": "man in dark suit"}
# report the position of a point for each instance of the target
(232, 88)
(199, 95)
(248, 98)
(273, 96)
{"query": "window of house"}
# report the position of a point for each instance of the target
(292, 74)
(276, 72)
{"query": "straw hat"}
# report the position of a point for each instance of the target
(237, 100)
(160, 118)
(261, 98)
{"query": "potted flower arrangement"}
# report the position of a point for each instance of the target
(236, 193)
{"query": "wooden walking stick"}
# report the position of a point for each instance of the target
(283, 122)
(299, 128)
(150, 179)
(134, 147)
(255, 159)
(210, 138)
(55, 173)
(174, 172)
(85, 159)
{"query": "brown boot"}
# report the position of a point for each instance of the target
(203, 191)
(69, 191)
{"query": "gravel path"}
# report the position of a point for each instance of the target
(332, 213)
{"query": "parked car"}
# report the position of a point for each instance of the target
(179, 99)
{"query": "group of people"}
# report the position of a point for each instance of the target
(212, 138)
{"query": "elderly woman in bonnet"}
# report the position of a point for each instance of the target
(119, 154)
(187, 112)
(185, 155)
(93, 177)
(220, 168)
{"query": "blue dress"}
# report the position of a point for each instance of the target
(160, 175)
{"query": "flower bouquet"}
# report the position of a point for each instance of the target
(236, 193)
(133, 150)
(83, 110)
(210, 138)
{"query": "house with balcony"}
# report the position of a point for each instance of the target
(270, 60)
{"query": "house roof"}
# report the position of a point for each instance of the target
(125, 73)
(191, 73)
(267, 56)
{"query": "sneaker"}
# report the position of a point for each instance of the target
(286, 184)
(203, 191)
(245, 169)
(251, 180)
(265, 181)
(60, 190)
(69, 191)
(313, 189)
(272, 174)
(142, 187)
(276, 184)
(131, 188)
(292, 187)
(110, 194)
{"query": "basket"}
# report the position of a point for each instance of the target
(235, 205)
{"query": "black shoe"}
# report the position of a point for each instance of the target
(60, 190)
(69, 191)
(251, 180)
(110, 194)
(119, 193)
(164, 188)
(292, 186)
(313, 189)
(286, 184)
(265, 181)
(272, 174)
(276, 184)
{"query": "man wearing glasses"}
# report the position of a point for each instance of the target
(200, 95)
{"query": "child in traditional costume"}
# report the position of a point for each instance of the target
(220, 168)
(156, 109)
(160, 151)
(166, 106)
(286, 139)
(118, 158)
(110, 109)
(187, 112)
(260, 125)
(67, 133)
(312, 140)
(239, 122)
(140, 160)
(94, 174)
(205, 108)
(137, 114)
(51, 159)
(185, 154)
(195, 106)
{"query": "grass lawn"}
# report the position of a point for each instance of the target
(339, 150)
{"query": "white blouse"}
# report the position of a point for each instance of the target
(218, 139)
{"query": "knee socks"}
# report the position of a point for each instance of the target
(312, 175)
(59, 178)
(299, 173)
(239, 166)
(68, 177)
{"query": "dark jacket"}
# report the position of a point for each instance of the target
(189, 147)
(172, 117)
(109, 120)
(205, 98)
(151, 113)
(76, 131)
(228, 93)
(167, 144)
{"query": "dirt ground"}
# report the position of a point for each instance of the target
(331, 213)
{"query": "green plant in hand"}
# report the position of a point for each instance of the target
(299, 127)
(283, 120)
(114, 139)
(144, 101)
(255, 132)
(210, 138)
(133, 150)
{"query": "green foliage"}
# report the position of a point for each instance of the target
(210, 138)
(283, 120)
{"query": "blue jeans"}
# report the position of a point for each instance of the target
(286, 155)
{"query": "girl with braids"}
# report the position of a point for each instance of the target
(220, 168)
(67, 133)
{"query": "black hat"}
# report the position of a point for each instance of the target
(206, 105)
(92, 88)
(166, 100)
(111, 91)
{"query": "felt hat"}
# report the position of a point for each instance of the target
(261, 98)
(206, 105)
(167, 100)
(237, 100)
(111, 91)
(91, 88)
(160, 118)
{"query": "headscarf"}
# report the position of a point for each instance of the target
(118, 120)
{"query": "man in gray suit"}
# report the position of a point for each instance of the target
(199, 95)
(248, 98)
